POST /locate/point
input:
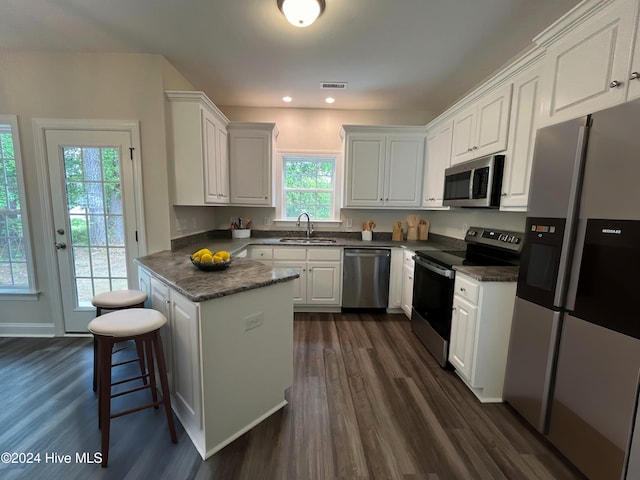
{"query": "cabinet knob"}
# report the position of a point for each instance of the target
(386, 199)
(503, 194)
(475, 148)
(462, 289)
(469, 149)
(634, 76)
(380, 199)
(615, 84)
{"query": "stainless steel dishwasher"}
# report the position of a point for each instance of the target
(365, 277)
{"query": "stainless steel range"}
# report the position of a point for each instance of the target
(434, 280)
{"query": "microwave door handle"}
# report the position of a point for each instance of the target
(473, 176)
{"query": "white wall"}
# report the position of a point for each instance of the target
(86, 86)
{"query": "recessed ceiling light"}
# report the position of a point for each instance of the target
(287, 99)
(329, 99)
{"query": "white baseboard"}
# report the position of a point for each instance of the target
(27, 330)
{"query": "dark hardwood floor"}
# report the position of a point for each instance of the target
(367, 402)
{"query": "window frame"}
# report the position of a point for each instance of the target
(337, 185)
(21, 291)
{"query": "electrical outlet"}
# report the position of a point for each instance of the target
(267, 220)
(465, 227)
(349, 222)
(253, 321)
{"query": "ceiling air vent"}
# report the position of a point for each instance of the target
(333, 85)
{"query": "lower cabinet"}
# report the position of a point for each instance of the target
(407, 282)
(395, 280)
(320, 269)
(480, 329)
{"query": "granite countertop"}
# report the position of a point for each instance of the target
(176, 270)
(490, 273)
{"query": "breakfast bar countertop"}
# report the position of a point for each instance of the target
(176, 270)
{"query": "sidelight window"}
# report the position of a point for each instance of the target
(16, 271)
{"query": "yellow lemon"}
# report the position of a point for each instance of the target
(217, 259)
(206, 258)
(196, 257)
(223, 254)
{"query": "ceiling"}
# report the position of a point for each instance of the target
(395, 55)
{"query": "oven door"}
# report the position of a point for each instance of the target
(432, 302)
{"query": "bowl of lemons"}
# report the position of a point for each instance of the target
(207, 260)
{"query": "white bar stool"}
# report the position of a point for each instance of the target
(142, 325)
(117, 300)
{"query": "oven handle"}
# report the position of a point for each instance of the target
(435, 268)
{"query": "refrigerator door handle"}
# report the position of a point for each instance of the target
(572, 215)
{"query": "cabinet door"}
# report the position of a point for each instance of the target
(365, 170)
(634, 71)
(144, 284)
(583, 66)
(323, 283)
(222, 147)
(213, 161)
(300, 283)
(404, 164)
(463, 332)
(407, 289)
(250, 167)
(159, 300)
(464, 134)
(438, 159)
(522, 133)
(493, 122)
(395, 278)
(185, 343)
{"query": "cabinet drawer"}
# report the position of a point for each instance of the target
(261, 253)
(289, 253)
(467, 289)
(318, 253)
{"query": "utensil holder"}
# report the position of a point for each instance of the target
(367, 235)
(423, 232)
(241, 233)
(397, 235)
(412, 233)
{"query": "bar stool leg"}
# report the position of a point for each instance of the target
(104, 399)
(162, 370)
(152, 372)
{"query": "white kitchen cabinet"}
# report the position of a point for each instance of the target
(395, 279)
(480, 329)
(407, 281)
(525, 112)
(320, 269)
(197, 147)
(587, 69)
(482, 128)
(383, 166)
(634, 71)
(438, 159)
(251, 152)
(260, 254)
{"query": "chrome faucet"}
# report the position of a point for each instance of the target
(309, 224)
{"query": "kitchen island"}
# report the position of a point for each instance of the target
(228, 342)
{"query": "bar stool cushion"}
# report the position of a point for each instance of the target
(127, 323)
(118, 299)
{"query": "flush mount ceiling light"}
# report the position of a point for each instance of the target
(301, 13)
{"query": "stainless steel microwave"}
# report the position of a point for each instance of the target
(476, 183)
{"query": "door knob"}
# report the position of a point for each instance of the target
(60, 245)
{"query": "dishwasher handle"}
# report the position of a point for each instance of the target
(365, 252)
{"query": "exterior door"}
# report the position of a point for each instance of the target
(93, 205)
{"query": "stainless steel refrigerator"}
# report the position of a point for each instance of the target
(574, 351)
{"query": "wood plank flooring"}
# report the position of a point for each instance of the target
(367, 402)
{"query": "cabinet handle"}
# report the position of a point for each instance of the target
(462, 289)
(634, 76)
(386, 199)
(469, 149)
(475, 148)
(453, 309)
(380, 199)
(615, 84)
(167, 302)
(503, 194)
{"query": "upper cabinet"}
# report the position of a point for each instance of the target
(383, 166)
(587, 69)
(197, 146)
(439, 139)
(481, 128)
(251, 152)
(525, 112)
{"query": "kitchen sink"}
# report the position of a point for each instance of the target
(306, 241)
